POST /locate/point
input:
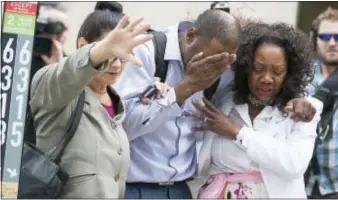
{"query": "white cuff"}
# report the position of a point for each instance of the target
(240, 138)
(241, 133)
(169, 99)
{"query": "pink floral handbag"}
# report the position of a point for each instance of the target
(216, 185)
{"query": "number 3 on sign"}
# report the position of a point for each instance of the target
(23, 72)
(7, 78)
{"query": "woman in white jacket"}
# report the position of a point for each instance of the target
(253, 146)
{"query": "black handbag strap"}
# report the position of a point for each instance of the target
(71, 127)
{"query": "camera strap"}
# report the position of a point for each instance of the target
(327, 92)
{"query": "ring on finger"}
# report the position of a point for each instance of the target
(205, 120)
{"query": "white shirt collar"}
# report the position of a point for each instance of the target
(268, 113)
(172, 51)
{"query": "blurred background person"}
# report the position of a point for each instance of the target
(60, 19)
(322, 176)
(50, 36)
(245, 14)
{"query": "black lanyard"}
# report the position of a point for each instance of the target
(327, 92)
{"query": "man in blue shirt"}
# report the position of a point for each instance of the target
(324, 182)
(162, 143)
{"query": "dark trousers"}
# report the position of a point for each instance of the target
(316, 194)
(180, 190)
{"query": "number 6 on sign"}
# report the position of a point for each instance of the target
(25, 54)
(8, 53)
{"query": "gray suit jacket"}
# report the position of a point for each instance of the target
(97, 158)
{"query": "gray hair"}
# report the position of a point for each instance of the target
(245, 14)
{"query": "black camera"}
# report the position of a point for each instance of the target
(328, 91)
(42, 41)
(43, 44)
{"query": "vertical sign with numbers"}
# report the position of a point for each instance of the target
(16, 54)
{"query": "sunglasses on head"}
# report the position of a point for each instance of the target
(327, 37)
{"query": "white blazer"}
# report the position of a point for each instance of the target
(282, 151)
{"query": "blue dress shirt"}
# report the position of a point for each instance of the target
(163, 146)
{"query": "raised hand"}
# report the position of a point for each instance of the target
(120, 42)
(201, 73)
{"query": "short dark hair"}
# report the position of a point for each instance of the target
(220, 25)
(105, 18)
(298, 51)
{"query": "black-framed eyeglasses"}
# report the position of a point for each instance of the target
(327, 36)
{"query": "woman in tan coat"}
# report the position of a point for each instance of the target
(97, 157)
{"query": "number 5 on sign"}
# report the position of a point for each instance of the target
(17, 132)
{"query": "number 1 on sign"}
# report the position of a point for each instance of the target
(3, 130)
(3, 104)
(19, 98)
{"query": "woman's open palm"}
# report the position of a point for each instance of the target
(125, 37)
